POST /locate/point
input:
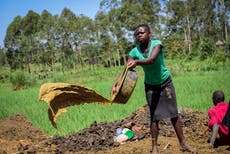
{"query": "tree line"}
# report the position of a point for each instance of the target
(188, 29)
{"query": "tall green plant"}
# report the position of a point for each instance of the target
(206, 47)
(20, 79)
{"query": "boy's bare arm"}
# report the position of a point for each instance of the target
(215, 129)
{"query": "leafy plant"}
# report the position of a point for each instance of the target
(20, 80)
(4, 74)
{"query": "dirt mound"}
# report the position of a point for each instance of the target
(16, 132)
(18, 135)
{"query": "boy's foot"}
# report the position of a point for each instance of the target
(188, 148)
(154, 150)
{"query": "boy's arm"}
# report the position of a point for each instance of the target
(154, 54)
(215, 129)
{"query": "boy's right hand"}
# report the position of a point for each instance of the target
(131, 63)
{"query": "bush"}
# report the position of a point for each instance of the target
(20, 80)
(4, 74)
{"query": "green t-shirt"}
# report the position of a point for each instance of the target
(155, 73)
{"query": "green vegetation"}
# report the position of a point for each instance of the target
(20, 79)
(193, 87)
(44, 43)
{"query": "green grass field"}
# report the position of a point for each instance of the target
(193, 89)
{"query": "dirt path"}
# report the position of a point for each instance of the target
(18, 135)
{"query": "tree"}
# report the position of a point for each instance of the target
(65, 32)
(3, 60)
(180, 19)
(222, 15)
(28, 44)
(13, 34)
(46, 38)
(121, 20)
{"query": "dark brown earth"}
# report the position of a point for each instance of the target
(17, 135)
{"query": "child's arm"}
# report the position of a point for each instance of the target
(215, 129)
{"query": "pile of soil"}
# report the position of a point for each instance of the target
(17, 135)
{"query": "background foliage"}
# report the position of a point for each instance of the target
(43, 43)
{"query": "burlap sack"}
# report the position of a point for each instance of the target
(59, 96)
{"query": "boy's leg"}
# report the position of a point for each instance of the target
(176, 122)
(154, 133)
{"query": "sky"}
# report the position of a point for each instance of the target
(9, 9)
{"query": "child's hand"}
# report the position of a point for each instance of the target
(131, 64)
(114, 89)
(210, 146)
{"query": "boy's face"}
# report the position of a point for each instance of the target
(141, 34)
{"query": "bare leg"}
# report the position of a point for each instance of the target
(154, 133)
(176, 122)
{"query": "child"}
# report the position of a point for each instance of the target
(159, 89)
(216, 115)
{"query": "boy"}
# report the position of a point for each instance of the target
(216, 115)
(159, 88)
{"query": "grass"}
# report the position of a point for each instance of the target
(193, 89)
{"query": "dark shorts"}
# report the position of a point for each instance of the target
(161, 100)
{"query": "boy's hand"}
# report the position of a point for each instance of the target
(210, 146)
(131, 63)
(114, 89)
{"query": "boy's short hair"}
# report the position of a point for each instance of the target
(218, 96)
(142, 25)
